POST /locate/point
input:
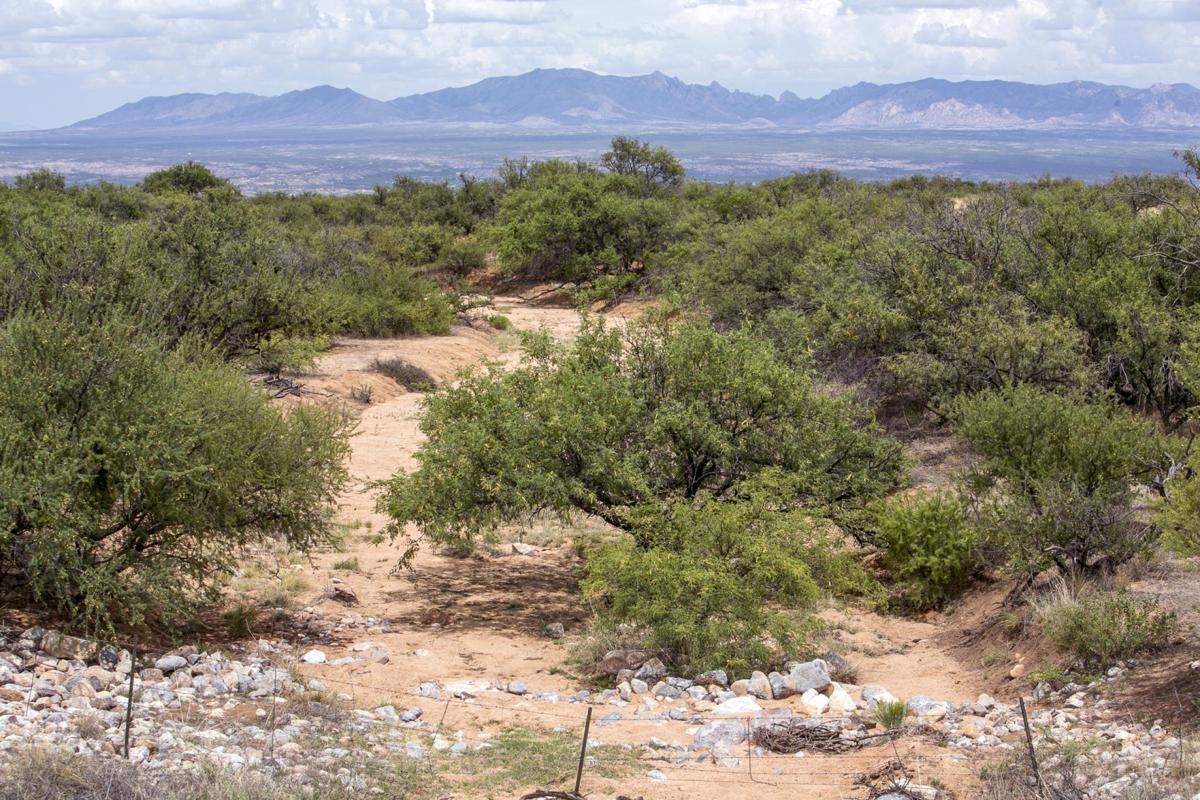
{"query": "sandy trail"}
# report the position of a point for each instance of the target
(482, 618)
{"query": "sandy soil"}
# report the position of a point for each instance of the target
(481, 618)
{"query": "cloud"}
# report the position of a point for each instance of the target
(939, 35)
(511, 12)
(65, 59)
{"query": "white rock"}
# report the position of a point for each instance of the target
(738, 706)
(313, 657)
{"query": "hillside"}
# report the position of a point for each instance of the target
(576, 98)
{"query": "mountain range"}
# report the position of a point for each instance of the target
(576, 98)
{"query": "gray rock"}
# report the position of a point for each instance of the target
(836, 665)
(639, 686)
(170, 663)
(652, 670)
(555, 630)
(760, 686)
(411, 714)
(60, 645)
(667, 692)
(720, 732)
(430, 689)
(716, 676)
(808, 675)
(779, 686)
(387, 714)
(616, 660)
(516, 687)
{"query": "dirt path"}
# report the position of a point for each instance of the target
(451, 619)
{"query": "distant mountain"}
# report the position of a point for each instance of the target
(573, 98)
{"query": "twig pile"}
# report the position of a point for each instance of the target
(792, 736)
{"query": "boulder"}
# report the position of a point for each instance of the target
(60, 645)
(311, 657)
(836, 665)
(737, 707)
(517, 687)
(873, 694)
(779, 687)
(719, 733)
(808, 675)
(716, 677)
(616, 660)
(760, 686)
(522, 549)
(813, 702)
(171, 663)
(652, 670)
(840, 701)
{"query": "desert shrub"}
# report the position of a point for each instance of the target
(130, 477)
(382, 299)
(928, 548)
(616, 423)
(407, 374)
(500, 322)
(891, 714)
(462, 257)
(721, 585)
(189, 178)
(1056, 477)
(1101, 627)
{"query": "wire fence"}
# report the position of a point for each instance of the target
(612, 743)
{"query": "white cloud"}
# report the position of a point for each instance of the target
(939, 35)
(65, 59)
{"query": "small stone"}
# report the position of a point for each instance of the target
(554, 630)
(1017, 671)
(720, 732)
(639, 686)
(616, 660)
(313, 657)
(516, 687)
(814, 702)
(523, 549)
(716, 676)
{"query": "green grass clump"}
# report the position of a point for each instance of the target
(891, 714)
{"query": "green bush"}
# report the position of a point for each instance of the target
(891, 714)
(131, 478)
(500, 322)
(721, 585)
(619, 422)
(928, 548)
(1101, 627)
(380, 299)
(1056, 477)
(462, 257)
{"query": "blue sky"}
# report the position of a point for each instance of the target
(63, 60)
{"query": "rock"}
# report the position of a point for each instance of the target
(872, 694)
(411, 714)
(665, 691)
(516, 687)
(738, 706)
(652, 670)
(430, 689)
(387, 714)
(760, 686)
(813, 702)
(554, 630)
(639, 686)
(1017, 671)
(716, 677)
(170, 663)
(60, 645)
(971, 727)
(522, 549)
(985, 701)
(616, 660)
(779, 687)
(840, 701)
(719, 733)
(808, 675)
(836, 665)
(313, 657)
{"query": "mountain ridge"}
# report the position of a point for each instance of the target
(573, 98)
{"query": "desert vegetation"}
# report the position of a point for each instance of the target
(744, 441)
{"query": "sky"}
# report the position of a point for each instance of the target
(65, 60)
